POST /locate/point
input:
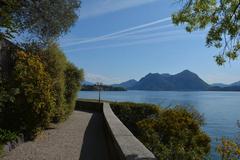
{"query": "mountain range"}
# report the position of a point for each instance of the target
(226, 85)
(183, 81)
(128, 84)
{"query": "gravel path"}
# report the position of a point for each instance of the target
(81, 137)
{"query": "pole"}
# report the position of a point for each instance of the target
(99, 95)
(99, 91)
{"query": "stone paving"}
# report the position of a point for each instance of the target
(81, 137)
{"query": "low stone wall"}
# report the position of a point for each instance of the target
(88, 105)
(123, 145)
(126, 145)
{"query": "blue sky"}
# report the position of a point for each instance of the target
(118, 40)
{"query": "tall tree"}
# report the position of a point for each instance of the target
(44, 20)
(223, 18)
(7, 27)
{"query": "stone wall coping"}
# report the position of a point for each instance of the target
(129, 147)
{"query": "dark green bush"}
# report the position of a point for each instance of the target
(73, 76)
(6, 136)
(56, 64)
(171, 133)
(131, 113)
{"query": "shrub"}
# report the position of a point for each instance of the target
(29, 109)
(40, 87)
(73, 76)
(229, 149)
(171, 133)
(131, 113)
(36, 101)
(56, 64)
(65, 76)
(6, 136)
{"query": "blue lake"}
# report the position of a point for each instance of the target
(221, 110)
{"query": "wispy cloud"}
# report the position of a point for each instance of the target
(170, 37)
(92, 8)
(123, 32)
(141, 34)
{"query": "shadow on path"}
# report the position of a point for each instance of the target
(94, 145)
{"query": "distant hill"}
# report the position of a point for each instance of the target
(219, 85)
(183, 81)
(229, 88)
(87, 83)
(235, 84)
(226, 85)
(128, 84)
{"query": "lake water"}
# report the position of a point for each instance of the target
(221, 110)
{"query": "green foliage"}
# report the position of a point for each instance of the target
(40, 88)
(73, 76)
(7, 25)
(172, 133)
(6, 95)
(223, 18)
(56, 64)
(131, 113)
(36, 93)
(229, 149)
(6, 136)
(66, 78)
(46, 20)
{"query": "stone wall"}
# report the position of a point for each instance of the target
(122, 144)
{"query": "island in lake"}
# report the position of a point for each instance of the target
(95, 87)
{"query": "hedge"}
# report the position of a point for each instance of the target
(41, 88)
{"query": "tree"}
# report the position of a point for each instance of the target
(45, 20)
(7, 27)
(223, 18)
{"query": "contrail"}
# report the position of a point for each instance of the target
(152, 35)
(144, 30)
(120, 32)
(123, 35)
(140, 41)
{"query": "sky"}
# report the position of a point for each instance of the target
(117, 40)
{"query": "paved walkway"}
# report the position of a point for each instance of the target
(81, 137)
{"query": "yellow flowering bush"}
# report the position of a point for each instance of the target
(171, 133)
(36, 100)
(41, 87)
(229, 149)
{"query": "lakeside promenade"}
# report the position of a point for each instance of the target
(81, 137)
